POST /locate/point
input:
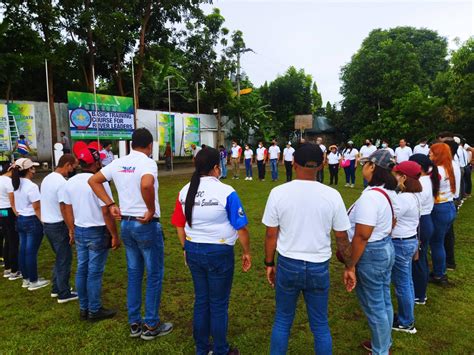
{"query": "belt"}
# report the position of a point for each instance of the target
(132, 218)
(414, 237)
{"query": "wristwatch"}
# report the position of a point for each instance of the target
(269, 264)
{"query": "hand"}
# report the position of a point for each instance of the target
(271, 272)
(71, 237)
(147, 217)
(115, 212)
(115, 243)
(350, 279)
(246, 262)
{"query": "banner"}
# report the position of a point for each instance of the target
(165, 132)
(192, 126)
(4, 129)
(115, 116)
(24, 123)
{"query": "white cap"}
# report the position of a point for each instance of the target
(25, 163)
(457, 140)
(289, 143)
(350, 142)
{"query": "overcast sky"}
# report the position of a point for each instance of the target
(320, 36)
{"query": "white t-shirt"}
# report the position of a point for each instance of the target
(366, 151)
(288, 153)
(408, 216)
(109, 157)
(127, 173)
(195, 151)
(305, 212)
(426, 195)
(445, 194)
(248, 153)
(457, 177)
(261, 152)
(463, 157)
(235, 151)
(323, 148)
(86, 206)
(273, 151)
(27, 193)
(350, 154)
(6, 188)
(217, 214)
(421, 150)
(333, 158)
(392, 153)
(51, 195)
(373, 209)
(403, 154)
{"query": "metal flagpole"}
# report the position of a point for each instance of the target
(197, 97)
(169, 113)
(95, 102)
(49, 114)
(134, 95)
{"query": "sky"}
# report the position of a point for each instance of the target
(320, 36)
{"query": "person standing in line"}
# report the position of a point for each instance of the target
(30, 229)
(334, 160)
(350, 154)
(65, 142)
(88, 220)
(303, 242)
(195, 149)
(462, 157)
(405, 243)
(262, 157)
(320, 173)
(468, 170)
(22, 147)
(168, 156)
(430, 187)
(422, 147)
(223, 160)
(56, 230)
(107, 153)
(288, 160)
(386, 146)
(136, 179)
(8, 216)
(248, 156)
(207, 233)
(274, 155)
(236, 152)
(403, 152)
(365, 151)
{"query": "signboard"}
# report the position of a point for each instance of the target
(192, 126)
(303, 122)
(165, 132)
(24, 117)
(4, 129)
(114, 116)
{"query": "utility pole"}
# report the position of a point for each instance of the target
(239, 51)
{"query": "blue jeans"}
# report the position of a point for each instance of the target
(350, 173)
(58, 236)
(312, 279)
(403, 281)
(30, 231)
(212, 269)
(144, 250)
(443, 215)
(274, 168)
(92, 250)
(374, 271)
(420, 269)
(248, 167)
(224, 167)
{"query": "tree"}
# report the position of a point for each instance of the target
(316, 99)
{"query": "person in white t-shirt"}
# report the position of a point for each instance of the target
(320, 173)
(403, 152)
(299, 217)
(248, 159)
(107, 153)
(350, 156)
(30, 229)
(288, 160)
(262, 157)
(56, 230)
(365, 151)
(235, 154)
(422, 147)
(274, 156)
(386, 146)
(136, 179)
(334, 160)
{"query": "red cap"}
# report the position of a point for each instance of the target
(409, 168)
(95, 145)
(78, 146)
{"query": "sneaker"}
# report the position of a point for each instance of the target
(72, 297)
(83, 314)
(15, 276)
(26, 283)
(7, 273)
(102, 313)
(421, 302)
(441, 281)
(246, 179)
(38, 284)
(160, 330)
(250, 178)
(352, 186)
(135, 330)
(55, 295)
(2, 262)
(451, 267)
(347, 185)
(367, 345)
(401, 328)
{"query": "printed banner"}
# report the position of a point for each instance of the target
(165, 132)
(192, 126)
(21, 119)
(5, 144)
(114, 116)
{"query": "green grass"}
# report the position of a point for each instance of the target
(33, 322)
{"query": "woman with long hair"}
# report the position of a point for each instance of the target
(209, 219)
(30, 229)
(430, 187)
(349, 156)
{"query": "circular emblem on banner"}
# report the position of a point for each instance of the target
(80, 118)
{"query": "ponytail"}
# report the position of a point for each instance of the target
(434, 176)
(16, 177)
(190, 197)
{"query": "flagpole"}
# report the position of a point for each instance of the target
(134, 94)
(49, 113)
(95, 102)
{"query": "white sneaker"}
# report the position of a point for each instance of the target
(246, 178)
(6, 273)
(38, 284)
(352, 186)
(15, 276)
(346, 185)
(250, 178)
(72, 297)
(26, 283)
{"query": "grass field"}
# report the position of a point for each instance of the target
(33, 322)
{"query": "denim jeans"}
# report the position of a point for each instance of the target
(30, 231)
(467, 179)
(92, 250)
(12, 241)
(224, 167)
(248, 167)
(420, 269)
(320, 175)
(402, 279)
(261, 169)
(212, 269)
(312, 279)
(443, 215)
(274, 168)
(374, 271)
(58, 236)
(144, 249)
(350, 173)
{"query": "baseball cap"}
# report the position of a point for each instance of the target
(350, 142)
(289, 143)
(25, 163)
(89, 155)
(409, 168)
(308, 155)
(381, 158)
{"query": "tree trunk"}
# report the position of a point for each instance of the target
(54, 129)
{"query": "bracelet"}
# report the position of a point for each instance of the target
(269, 264)
(110, 204)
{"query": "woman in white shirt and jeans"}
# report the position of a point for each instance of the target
(350, 154)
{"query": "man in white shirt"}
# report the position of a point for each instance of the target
(262, 156)
(288, 161)
(365, 152)
(422, 147)
(303, 241)
(108, 154)
(385, 146)
(56, 230)
(320, 173)
(136, 179)
(235, 153)
(274, 156)
(403, 152)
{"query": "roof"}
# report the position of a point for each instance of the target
(321, 125)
